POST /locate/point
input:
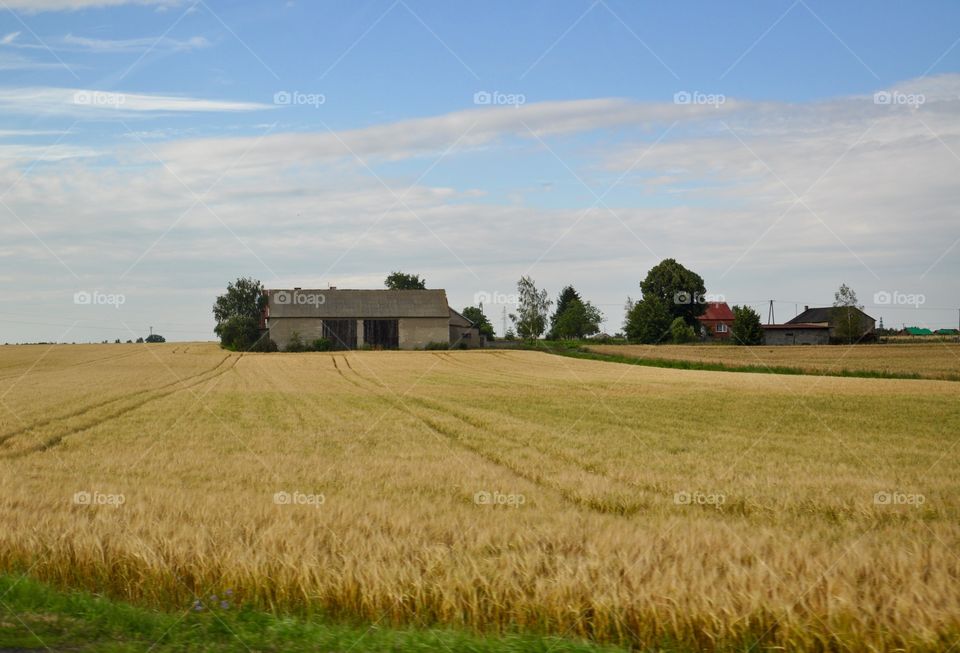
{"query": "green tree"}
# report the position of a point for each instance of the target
(648, 320)
(746, 326)
(531, 316)
(404, 281)
(240, 333)
(476, 315)
(237, 313)
(578, 320)
(680, 289)
(567, 295)
(155, 337)
(681, 332)
(847, 321)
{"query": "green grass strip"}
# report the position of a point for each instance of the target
(578, 351)
(36, 616)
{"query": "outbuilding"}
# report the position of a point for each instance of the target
(377, 319)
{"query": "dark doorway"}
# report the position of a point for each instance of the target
(342, 333)
(382, 334)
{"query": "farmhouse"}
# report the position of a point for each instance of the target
(380, 319)
(717, 320)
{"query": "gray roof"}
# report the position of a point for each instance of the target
(457, 319)
(825, 315)
(324, 303)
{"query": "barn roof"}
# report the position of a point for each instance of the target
(823, 314)
(795, 326)
(458, 319)
(372, 304)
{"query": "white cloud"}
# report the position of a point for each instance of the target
(9, 38)
(111, 46)
(883, 185)
(16, 62)
(36, 6)
(51, 100)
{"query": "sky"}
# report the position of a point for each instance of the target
(153, 150)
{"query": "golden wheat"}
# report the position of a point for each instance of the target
(491, 490)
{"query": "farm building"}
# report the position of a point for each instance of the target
(796, 333)
(717, 320)
(380, 319)
(825, 316)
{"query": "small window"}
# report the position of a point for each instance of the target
(721, 328)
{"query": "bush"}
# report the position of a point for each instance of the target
(746, 326)
(239, 333)
(321, 344)
(681, 332)
(264, 345)
(437, 345)
(296, 345)
(156, 337)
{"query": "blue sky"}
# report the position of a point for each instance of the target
(148, 151)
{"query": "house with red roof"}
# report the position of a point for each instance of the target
(717, 320)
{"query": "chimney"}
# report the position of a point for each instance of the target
(806, 308)
(298, 288)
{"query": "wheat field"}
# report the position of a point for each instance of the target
(490, 490)
(935, 360)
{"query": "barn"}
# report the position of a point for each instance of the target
(377, 319)
(827, 315)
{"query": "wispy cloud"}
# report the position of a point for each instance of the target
(51, 100)
(74, 43)
(36, 6)
(16, 62)
(108, 46)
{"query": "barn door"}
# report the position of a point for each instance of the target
(382, 334)
(342, 333)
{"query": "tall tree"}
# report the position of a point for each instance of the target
(404, 281)
(680, 289)
(746, 326)
(567, 295)
(578, 320)
(237, 313)
(479, 319)
(847, 321)
(531, 316)
(648, 320)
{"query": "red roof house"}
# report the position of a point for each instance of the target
(717, 320)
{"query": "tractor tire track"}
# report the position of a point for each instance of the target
(430, 415)
(85, 409)
(61, 368)
(100, 419)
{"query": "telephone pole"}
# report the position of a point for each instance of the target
(770, 318)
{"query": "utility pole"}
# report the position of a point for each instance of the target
(770, 318)
(504, 332)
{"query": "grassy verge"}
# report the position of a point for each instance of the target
(34, 616)
(577, 350)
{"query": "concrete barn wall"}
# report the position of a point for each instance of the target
(309, 328)
(796, 337)
(466, 336)
(418, 332)
(415, 332)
